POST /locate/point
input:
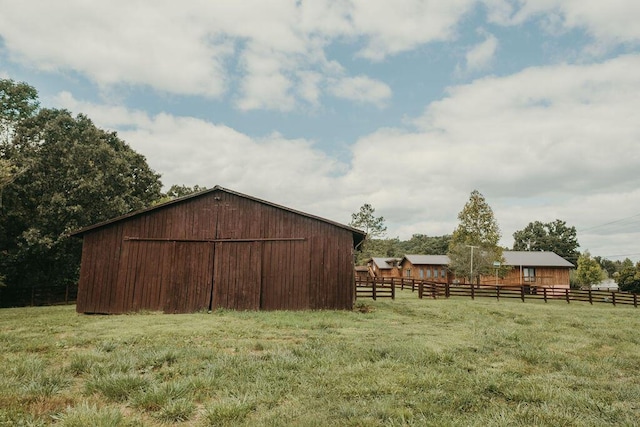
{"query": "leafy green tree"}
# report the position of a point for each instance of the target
(177, 191)
(425, 245)
(72, 175)
(553, 236)
(366, 221)
(588, 271)
(628, 278)
(607, 265)
(18, 101)
(474, 245)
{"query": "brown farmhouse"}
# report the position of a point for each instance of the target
(216, 249)
(533, 269)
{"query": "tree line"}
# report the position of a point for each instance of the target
(474, 251)
(59, 173)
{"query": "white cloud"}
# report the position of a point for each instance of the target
(393, 27)
(191, 151)
(480, 56)
(361, 89)
(270, 49)
(612, 22)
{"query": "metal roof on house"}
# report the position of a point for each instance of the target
(513, 258)
(384, 263)
(428, 259)
(535, 259)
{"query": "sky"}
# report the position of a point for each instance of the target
(325, 105)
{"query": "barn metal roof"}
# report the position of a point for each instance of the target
(358, 235)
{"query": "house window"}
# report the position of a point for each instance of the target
(529, 274)
(429, 274)
(421, 272)
(407, 272)
(443, 273)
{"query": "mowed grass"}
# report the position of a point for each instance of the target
(453, 362)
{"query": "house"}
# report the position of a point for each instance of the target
(216, 249)
(362, 272)
(432, 268)
(536, 269)
(532, 269)
(384, 267)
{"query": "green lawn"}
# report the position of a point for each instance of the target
(404, 362)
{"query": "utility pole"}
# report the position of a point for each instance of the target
(471, 273)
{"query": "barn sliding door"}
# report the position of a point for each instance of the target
(236, 275)
(172, 276)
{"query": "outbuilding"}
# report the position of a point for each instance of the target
(216, 249)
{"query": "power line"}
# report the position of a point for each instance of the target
(609, 223)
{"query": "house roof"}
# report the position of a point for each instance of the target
(427, 259)
(384, 263)
(513, 258)
(358, 235)
(535, 259)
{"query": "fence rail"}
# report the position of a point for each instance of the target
(38, 295)
(376, 288)
(386, 287)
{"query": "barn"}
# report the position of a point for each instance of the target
(216, 249)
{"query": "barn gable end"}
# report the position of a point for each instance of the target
(216, 249)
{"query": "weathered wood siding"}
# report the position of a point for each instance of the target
(545, 277)
(219, 250)
(433, 269)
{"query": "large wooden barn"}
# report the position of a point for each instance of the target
(216, 249)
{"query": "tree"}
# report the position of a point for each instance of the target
(18, 101)
(588, 272)
(628, 278)
(72, 175)
(425, 245)
(474, 245)
(177, 191)
(553, 236)
(366, 221)
(607, 265)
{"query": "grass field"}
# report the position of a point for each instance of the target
(451, 362)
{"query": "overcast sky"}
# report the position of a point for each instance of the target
(325, 105)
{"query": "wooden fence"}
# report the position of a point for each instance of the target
(376, 288)
(38, 295)
(385, 287)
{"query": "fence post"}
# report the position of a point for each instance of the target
(522, 293)
(635, 300)
(566, 293)
(590, 297)
(447, 291)
(613, 298)
(497, 293)
(473, 292)
(544, 292)
(393, 290)
(420, 289)
(373, 290)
